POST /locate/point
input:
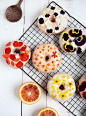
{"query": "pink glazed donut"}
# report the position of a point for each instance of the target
(46, 58)
(52, 20)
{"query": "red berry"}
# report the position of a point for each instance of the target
(7, 50)
(19, 64)
(15, 44)
(24, 57)
(23, 48)
(12, 57)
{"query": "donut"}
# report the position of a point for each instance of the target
(82, 87)
(16, 54)
(52, 20)
(46, 58)
(73, 41)
(61, 87)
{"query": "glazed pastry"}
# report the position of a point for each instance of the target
(82, 87)
(16, 54)
(52, 20)
(61, 87)
(73, 41)
(46, 58)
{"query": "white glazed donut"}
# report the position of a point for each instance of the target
(61, 87)
(73, 41)
(16, 54)
(52, 20)
(46, 58)
(82, 87)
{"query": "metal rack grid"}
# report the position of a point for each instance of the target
(73, 65)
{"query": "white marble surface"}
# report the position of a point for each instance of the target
(11, 79)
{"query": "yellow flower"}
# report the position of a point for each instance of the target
(58, 90)
(68, 77)
(70, 94)
(53, 91)
(69, 89)
(54, 95)
(63, 95)
(70, 84)
(72, 88)
(57, 81)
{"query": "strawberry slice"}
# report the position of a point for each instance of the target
(24, 57)
(7, 50)
(20, 44)
(8, 43)
(6, 55)
(12, 57)
(23, 48)
(19, 64)
(15, 44)
(8, 62)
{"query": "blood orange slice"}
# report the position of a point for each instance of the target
(48, 112)
(30, 93)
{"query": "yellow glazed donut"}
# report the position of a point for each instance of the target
(61, 87)
(16, 54)
(46, 58)
(82, 87)
(52, 20)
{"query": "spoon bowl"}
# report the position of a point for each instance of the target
(14, 12)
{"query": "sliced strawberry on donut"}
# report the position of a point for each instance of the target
(15, 44)
(20, 44)
(8, 43)
(12, 63)
(19, 64)
(7, 50)
(23, 48)
(8, 62)
(12, 57)
(6, 55)
(24, 57)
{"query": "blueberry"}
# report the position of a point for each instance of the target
(62, 12)
(57, 28)
(47, 15)
(49, 30)
(41, 20)
(52, 8)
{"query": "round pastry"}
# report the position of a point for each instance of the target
(82, 87)
(16, 54)
(52, 20)
(46, 58)
(61, 87)
(73, 41)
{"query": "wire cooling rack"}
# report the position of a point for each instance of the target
(73, 65)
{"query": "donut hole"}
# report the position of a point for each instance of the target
(47, 58)
(53, 19)
(84, 95)
(82, 86)
(17, 51)
(62, 87)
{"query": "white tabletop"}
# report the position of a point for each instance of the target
(11, 79)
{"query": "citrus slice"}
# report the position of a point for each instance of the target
(48, 112)
(30, 93)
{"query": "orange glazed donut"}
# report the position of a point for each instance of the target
(46, 58)
(16, 54)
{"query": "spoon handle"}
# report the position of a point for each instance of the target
(19, 3)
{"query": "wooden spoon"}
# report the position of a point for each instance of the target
(14, 12)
